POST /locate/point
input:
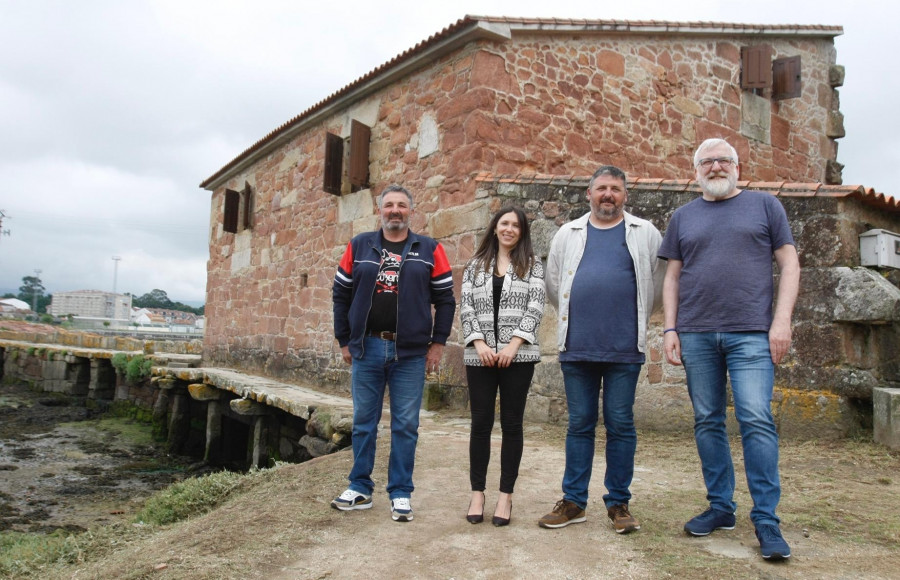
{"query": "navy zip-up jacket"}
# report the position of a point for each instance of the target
(425, 278)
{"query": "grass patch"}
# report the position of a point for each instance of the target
(190, 498)
(33, 555)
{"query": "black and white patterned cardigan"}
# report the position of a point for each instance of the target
(521, 308)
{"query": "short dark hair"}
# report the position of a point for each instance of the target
(612, 171)
(391, 189)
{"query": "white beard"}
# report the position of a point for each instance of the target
(718, 187)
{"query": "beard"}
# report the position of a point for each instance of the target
(394, 223)
(607, 213)
(716, 187)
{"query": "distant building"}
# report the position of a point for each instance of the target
(91, 304)
(12, 307)
(172, 320)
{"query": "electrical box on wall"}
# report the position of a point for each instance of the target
(879, 248)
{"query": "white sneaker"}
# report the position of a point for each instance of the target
(352, 500)
(401, 511)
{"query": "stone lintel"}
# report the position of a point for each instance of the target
(204, 392)
(247, 407)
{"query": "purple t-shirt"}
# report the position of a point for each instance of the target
(726, 250)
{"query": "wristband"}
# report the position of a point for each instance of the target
(669, 330)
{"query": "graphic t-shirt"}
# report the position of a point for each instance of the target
(383, 315)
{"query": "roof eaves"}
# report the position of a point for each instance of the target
(459, 34)
(466, 30)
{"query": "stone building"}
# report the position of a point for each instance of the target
(541, 100)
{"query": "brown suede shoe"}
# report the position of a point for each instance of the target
(622, 519)
(563, 514)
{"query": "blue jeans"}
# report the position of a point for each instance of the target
(406, 378)
(584, 381)
(746, 358)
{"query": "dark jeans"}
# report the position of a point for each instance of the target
(513, 383)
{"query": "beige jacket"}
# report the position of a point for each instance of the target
(643, 241)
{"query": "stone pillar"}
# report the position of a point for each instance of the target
(179, 423)
(258, 449)
(259, 454)
(886, 417)
(212, 396)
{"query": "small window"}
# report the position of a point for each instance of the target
(786, 78)
(334, 157)
(359, 155)
(756, 67)
(230, 215)
(357, 166)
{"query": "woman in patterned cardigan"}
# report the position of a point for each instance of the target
(500, 311)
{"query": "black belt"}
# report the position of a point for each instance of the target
(383, 335)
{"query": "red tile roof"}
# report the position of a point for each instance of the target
(470, 27)
(866, 195)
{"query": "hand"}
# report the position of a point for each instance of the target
(672, 346)
(487, 356)
(507, 354)
(345, 354)
(779, 340)
(433, 358)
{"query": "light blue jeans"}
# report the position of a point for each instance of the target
(584, 382)
(406, 380)
(745, 357)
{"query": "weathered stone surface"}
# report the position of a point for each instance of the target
(326, 421)
(247, 407)
(204, 392)
(886, 416)
(864, 296)
(318, 447)
(836, 75)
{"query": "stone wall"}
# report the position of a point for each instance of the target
(846, 333)
(539, 104)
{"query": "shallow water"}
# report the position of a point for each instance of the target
(62, 468)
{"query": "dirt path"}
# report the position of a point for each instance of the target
(283, 527)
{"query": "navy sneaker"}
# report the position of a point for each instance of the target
(771, 543)
(709, 521)
(401, 511)
(352, 500)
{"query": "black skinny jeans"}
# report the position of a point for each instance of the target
(513, 383)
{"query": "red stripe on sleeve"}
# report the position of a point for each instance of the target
(441, 263)
(347, 260)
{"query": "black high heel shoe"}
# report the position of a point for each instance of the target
(498, 521)
(476, 518)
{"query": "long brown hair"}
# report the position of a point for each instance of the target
(521, 256)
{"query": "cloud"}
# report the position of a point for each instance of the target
(115, 111)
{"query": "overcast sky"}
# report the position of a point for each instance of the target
(112, 112)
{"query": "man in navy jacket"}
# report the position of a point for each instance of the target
(384, 289)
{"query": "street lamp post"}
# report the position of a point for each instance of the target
(37, 275)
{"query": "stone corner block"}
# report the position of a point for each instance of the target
(886, 416)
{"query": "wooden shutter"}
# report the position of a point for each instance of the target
(786, 78)
(230, 215)
(359, 154)
(248, 206)
(334, 158)
(756, 67)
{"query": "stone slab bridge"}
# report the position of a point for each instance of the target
(227, 417)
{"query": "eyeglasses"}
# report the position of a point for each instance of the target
(708, 162)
